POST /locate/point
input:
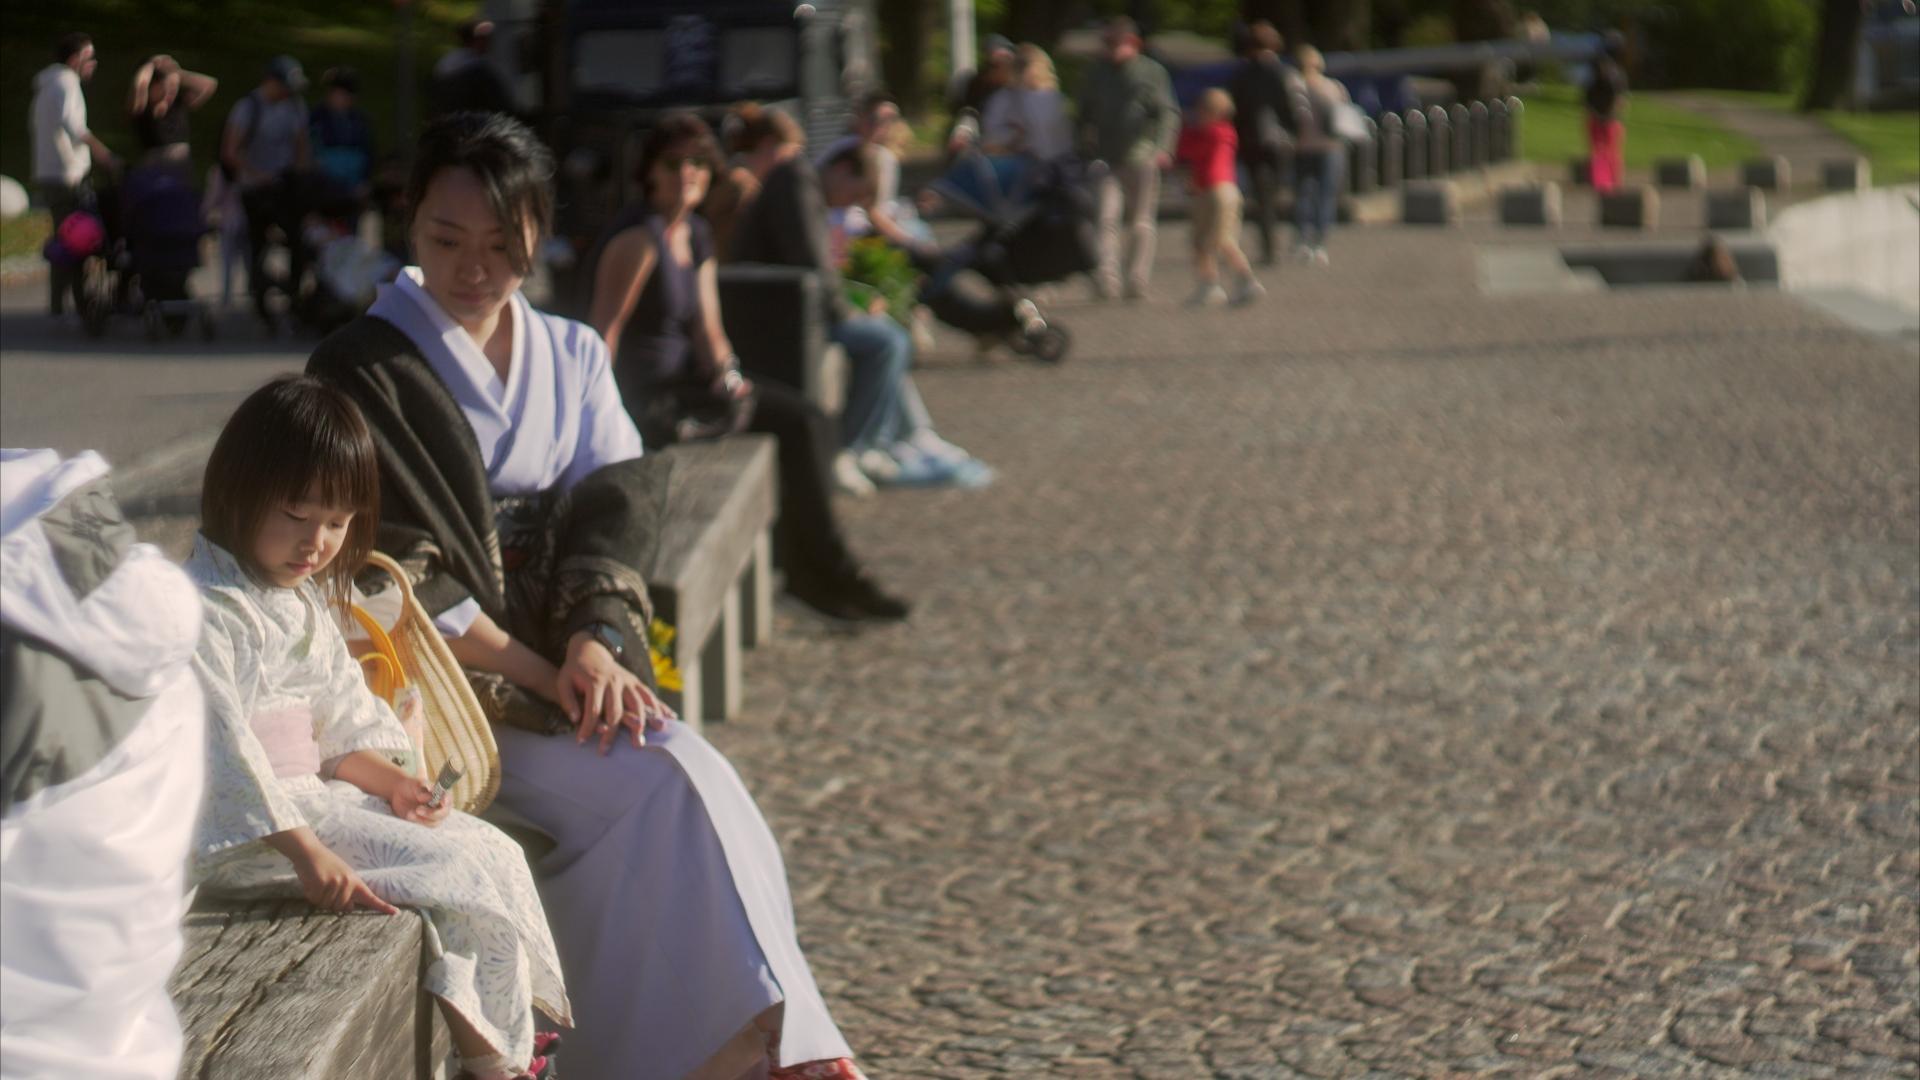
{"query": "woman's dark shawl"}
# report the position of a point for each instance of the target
(437, 513)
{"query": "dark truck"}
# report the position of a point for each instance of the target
(593, 73)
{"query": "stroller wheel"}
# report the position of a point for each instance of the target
(1049, 344)
(95, 297)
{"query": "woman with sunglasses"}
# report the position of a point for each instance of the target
(656, 301)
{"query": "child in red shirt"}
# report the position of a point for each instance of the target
(1208, 147)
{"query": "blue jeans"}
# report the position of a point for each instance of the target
(879, 352)
(1316, 193)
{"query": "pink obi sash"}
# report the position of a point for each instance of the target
(287, 735)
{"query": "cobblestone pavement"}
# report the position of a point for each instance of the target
(1385, 681)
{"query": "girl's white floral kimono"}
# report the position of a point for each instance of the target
(285, 702)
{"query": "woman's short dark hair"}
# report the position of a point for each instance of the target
(511, 163)
(67, 45)
(293, 436)
(677, 130)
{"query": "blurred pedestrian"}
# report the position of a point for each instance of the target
(65, 150)
(1128, 119)
(1028, 118)
(341, 134)
(158, 103)
(1263, 92)
(264, 149)
(1319, 156)
(465, 80)
(1606, 101)
(1208, 147)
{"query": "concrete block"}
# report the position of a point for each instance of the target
(1846, 174)
(1424, 202)
(1767, 174)
(1740, 208)
(1630, 208)
(1688, 172)
(1530, 204)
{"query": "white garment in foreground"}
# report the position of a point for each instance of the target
(93, 868)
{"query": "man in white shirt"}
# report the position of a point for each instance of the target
(64, 150)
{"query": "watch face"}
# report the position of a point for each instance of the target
(613, 639)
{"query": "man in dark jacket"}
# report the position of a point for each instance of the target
(1263, 92)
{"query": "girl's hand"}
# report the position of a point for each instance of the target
(409, 802)
(601, 697)
(330, 884)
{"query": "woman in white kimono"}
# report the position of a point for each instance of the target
(306, 792)
(514, 493)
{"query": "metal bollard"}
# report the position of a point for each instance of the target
(1462, 122)
(1439, 141)
(1361, 157)
(1499, 130)
(1393, 149)
(1482, 134)
(1417, 157)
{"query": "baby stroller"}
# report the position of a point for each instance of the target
(148, 242)
(1037, 225)
(164, 226)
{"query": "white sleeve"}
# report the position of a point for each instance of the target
(349, 718)
(73, 111)
(607, 433)
(458, 619)
(244, 801)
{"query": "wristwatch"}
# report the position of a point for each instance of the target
(608, 635)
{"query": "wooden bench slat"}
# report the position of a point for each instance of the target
(281, 989)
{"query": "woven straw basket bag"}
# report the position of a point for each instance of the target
(414, 654)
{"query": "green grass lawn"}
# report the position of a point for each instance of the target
(1555, 130)
(24, 234)
(1889, 140)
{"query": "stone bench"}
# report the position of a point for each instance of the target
(1668, 263)
(712, 578)
(278, 988)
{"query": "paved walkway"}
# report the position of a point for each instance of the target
(1388, 681)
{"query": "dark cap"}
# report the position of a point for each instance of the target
(341, 78)
(287, 70)
(996, 43)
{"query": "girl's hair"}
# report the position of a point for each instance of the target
(1216, 103)
(757, 125)
(1036, 69)
(293, 437)
(511, 163)
(679, 130)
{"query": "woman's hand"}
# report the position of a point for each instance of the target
(326, 880)
(601, 697)
(409, 801)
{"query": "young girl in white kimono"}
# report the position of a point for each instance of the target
(305, 792)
